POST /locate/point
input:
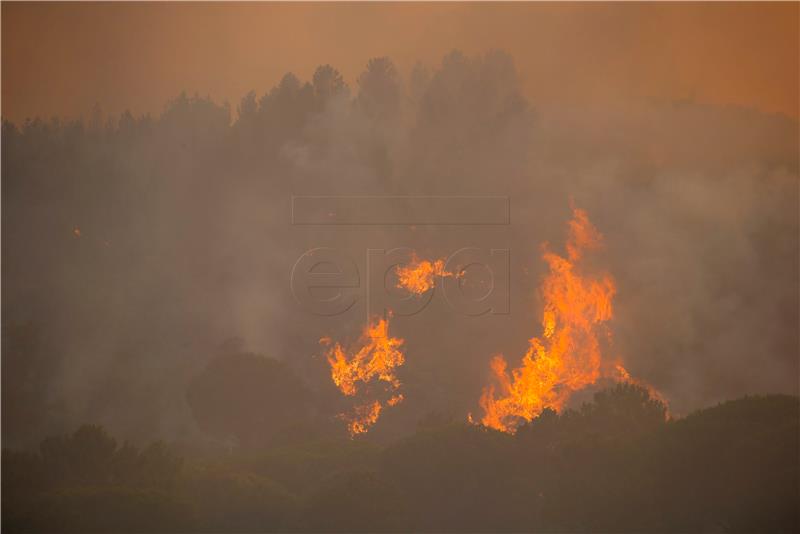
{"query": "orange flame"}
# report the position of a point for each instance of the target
(418, 276)
(376, 360)
(568, 356)
(624, 376)
(364, 416)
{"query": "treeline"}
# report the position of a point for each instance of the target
(613, 465)
(134, 245)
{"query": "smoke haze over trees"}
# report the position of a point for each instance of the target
(161, 371)
(139, 248)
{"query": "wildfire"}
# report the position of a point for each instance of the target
(418, 276)
(624, 376)
(357, 372)
(568, 356)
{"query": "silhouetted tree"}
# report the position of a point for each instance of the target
(380, 90)
(328, 83)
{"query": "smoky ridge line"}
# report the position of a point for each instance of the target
(165, 243)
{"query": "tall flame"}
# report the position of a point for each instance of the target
(568, 355)
(357, 373)
(418, 276)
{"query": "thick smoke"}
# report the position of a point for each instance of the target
(186, 243)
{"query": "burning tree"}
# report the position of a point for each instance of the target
(355, 372)
(568, 356)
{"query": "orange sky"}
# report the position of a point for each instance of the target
(62, 58)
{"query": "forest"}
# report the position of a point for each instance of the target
(614, 464)
(159, 376)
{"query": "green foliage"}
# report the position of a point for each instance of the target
(616, 464)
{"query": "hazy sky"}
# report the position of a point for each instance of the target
(62, 58)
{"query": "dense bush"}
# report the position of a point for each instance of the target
(616, 464)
